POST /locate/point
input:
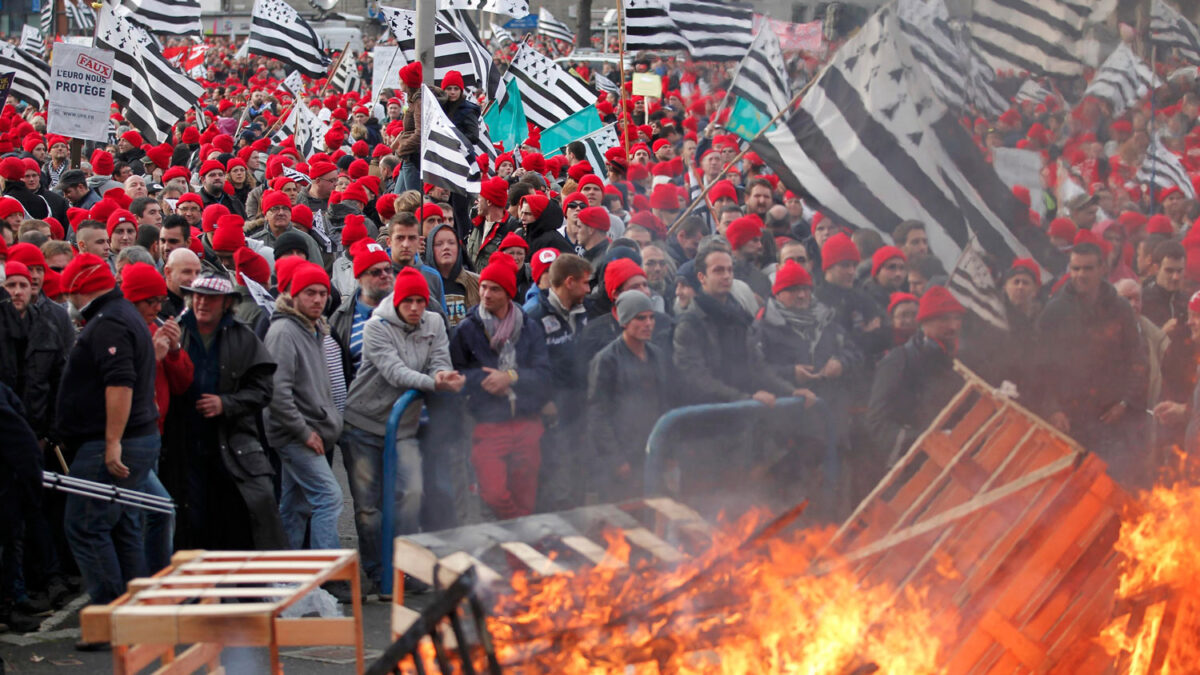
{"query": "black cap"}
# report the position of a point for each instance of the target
(290, 241)
(72, 177)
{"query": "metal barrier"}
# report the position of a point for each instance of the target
(659, 448)
(388, 526)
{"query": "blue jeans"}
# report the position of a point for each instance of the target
(409, 178)
(160, 527)
(362, 454)
(307, 488)
(105, 538)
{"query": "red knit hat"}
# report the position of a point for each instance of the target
(495, 191)
(742, 231)
(302, 216)
(119, 196)
(251, 265)
(1027, 266)
(502, 271)
(898, 298)
(723, 188)
(274, 198)
(308, 274)
(410, 282)
(320, 168)
(617, 272)
(117, 217)
(102, 163)
(354, 229)
(1159, 224)
(511, 240)
(356, 192)
(579, 170)
(837, 249)
(367, 254)
(212, 213)
(18, 269)
(453, 78)
(1062, 228)
(410, 75)
(789, 274)
(541, 261)
(210, 165)
(595, 217)
(385, 206)
(228, 238)
(938, 301)
(884, 254)
(140, 281)
(87, 273)
(534, 162)
(26, 254)
(665, 197)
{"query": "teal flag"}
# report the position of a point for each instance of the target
(506, 119)
(745, 120)
(573, 128)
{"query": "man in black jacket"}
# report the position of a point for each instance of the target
(20, 493)
(108, 421)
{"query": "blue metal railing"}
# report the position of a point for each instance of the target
(659, 449)
(388, 526)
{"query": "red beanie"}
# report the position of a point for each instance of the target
(495, 191)
(541, 262)
(1063, 228)
(452, 78)
(595, 217)
(102, 163)
(742, 231)
(617, 272)
(385, 206)
(937, 302)
(367, 255)
(410, 75)
(1028, 266)
(302, 216)
(837, 249)
(119, 196)
(87, 273)
(898, 299)
(320, 168)
(117, 217)
(274, 198)
(140, 281)
(512, 239)
(228, 238)
(409, 282)
(251, 265)
(308, 274)
(502, 271)
(1132, 220)
(26, 254)
(665, 197)
(210, 165)
(285, 267)
(579, 170)
(534, 162)
(18, 269)
(354, 229)
(789, 274)
(1158, 224)
(723, 188)
(212, 213)
(884, 254)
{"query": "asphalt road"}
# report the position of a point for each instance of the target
(52, 649)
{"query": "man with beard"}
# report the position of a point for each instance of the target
(494, 222)
(374, 276)
(212, 188)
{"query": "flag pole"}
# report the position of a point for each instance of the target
(704, 191)
(1153, 114)
(621, 67)
(507, 65)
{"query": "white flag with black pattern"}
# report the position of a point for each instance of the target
(549, 93)
(1123, 80)
(172, 17)
(31, 83)
(1164, 169)
(31, 40)
(553, 28)
(277, 31)
(1170, 30)
(972, 283)
(446, 155)
(513, 8)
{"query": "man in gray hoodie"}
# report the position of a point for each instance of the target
(404, 346)
(303, 422)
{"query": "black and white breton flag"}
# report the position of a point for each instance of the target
(171, 17)
(47, 19)
(154, 94)
(278, 32)
(305, 127)
(31, 40)
(1032, 91)
(501, 36)
(873, 145)
(972, 283)
(596, 144)
(346, 78)
(606, 85)
(457, 46)
(201, 118)
(446, 155)
(1163, 169)
(80, 15)
(955, 68)
(1170, 30)
(553, 28)
(548, 92)
(761, 78)
(1123, 80)
(513, 8)
(1036, 36)
(293, 83)
(708, 30)
(32, 81)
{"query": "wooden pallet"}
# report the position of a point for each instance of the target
(1007, 524)
(1159, 629)
(658, 530)
(216, 599)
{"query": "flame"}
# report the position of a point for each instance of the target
(728, 611)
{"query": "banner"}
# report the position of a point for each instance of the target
(80, 92)
(573, 128)
(385, 69)
(506, 118)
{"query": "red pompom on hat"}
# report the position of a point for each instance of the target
(140, 281)
(617, 272)
(595, 217)
(898, 298)
(502, 271)
(884, 254)
(354, 229)
(308, 274)
(541, 261)
(87, 273)
(838, 249)
(367, 255)
(938, 301)
(742, 231)
(409, 282)
(250, 265)
(790, 274)
(511, 240)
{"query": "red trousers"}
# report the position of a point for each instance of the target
(506, 457)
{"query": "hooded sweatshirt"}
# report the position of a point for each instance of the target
(461, 286)
(303, 398)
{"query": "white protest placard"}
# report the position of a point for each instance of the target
(1021, 167)
(80, 92)
(385, 71)
(647, 84)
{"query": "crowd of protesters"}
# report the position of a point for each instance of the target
(218, 317)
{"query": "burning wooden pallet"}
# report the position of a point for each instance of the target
(1153, 632)
(216, 599)
(1004, 523)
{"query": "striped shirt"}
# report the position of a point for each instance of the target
(361, 314)
(337, 378)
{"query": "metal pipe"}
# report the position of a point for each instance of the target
(104, 488)
(111, 499)
(388, 526)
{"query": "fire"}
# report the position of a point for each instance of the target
(1162, 567)
(732, 610)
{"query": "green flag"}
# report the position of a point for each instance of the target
(506, 119)
(745, 120)
(573, 128)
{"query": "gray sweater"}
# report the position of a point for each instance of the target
(303, 398)
(395, 358)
